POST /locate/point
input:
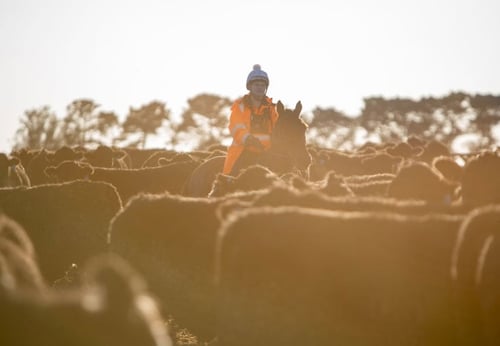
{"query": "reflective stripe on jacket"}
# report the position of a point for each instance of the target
(244, 121)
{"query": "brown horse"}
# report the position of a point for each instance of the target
(288, 152)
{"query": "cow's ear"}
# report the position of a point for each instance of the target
(119, 154)
(88, 170)
(50, 171)
(13, 161)
(163, 161)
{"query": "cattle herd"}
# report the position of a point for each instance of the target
(388, 244)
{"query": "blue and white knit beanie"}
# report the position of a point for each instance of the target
(257, 74)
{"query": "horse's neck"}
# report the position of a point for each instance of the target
(279, 146)
(277, 159)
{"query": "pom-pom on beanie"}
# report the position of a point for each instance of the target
(257, 74)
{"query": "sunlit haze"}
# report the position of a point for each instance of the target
(324, 53)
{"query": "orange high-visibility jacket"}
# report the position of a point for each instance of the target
(244, 121)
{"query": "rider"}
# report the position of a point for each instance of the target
(252, 119)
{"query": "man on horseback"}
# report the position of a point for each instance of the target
(252, 119)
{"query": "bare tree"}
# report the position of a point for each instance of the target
(145, 121)
(80, 124)
(38, 129)
(332, 128)
(205, 120)
(108, 127)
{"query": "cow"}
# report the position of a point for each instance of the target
(36, 168)
(404, 150)
(104, 156)
(170, 239)
(65, 153)
(370, 188)
(380, 163)
(301, 276)
(200, 181)
(24, 155)
(254, 177)
(67, 222)
(113, 308)
(419, 180)
(480, 183)
(416, 141)
(12, 173)
(68, 170)
(332, 184)
(449, 168)
(288, 196)
(152, 161)
(19, 270)
(475, 268)
(431, 150)
(128, 182)
(139, 156)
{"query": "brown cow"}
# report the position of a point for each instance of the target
(129, 182)
(69, 170)
(254, 177)
(12, 173)
(281, 195)
(67, 223)
(475, 268)
(171, 240)
(200, 181)
(113, 308)
(104, 156)
(419, 180)
(449, 168)
(36, 168)
(480, 181)
(18, 268)
(298, 276)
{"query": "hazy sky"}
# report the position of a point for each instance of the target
(326, 53)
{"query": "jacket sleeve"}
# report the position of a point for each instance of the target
(239, 126)
(274, 115)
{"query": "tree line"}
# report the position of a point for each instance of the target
(450, 118)
(204, 122)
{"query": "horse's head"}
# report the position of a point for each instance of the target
(289, 136)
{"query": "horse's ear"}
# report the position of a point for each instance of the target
(298, 108)
(280, 107)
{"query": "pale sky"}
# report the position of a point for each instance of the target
(326, 53)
